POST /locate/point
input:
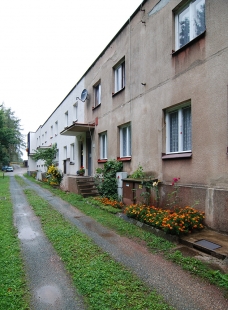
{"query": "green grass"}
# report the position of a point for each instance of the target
(13, 289)
(104, 283)
(154, 243)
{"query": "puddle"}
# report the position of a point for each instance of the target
(48, 294)
(27, 234)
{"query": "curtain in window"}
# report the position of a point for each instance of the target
(120, 77)
(184, 27)
(187, 129)
(124, 141)
(199, 16)
(174, 131)
(103, 146)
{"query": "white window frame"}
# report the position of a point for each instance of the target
(119, 76)
(180, 129)
(189, 10)
(65, 152)
(125, 133)
(75, 108)
(66, 119)
(56, 128)
(103, 145)
(97, 95)
(72, 152)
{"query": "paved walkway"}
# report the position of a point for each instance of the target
(181, 290)
(50, 285)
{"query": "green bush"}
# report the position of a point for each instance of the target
(106, 178)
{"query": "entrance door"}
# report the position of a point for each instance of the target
(81, 153)
(89, 154)
(64, 166)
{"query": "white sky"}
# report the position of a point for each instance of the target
(47, 45)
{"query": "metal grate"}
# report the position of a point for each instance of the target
(208, 244)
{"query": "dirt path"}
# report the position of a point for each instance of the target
(181, 290)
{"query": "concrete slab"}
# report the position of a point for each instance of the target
(211, 236)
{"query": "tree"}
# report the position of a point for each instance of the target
(11, 138)
(46, 154)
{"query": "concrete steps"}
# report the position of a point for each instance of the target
(86, 187)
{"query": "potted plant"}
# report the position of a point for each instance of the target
(81, 171)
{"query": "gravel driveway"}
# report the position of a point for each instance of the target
(181, 290)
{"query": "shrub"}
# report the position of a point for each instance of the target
(54, 176)
(106, 179)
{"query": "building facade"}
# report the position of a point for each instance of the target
(157, 96)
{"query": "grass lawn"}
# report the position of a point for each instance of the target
(156, 244)
(104, 283)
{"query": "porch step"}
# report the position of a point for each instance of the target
(86, 187)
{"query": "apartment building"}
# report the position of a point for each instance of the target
(157, 95)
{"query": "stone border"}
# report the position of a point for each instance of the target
(157, 232)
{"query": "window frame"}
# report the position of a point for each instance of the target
(66, 119)
(75, 111)
(179, 109)
(103, 140)
(128, 140)
(72, 151)
(188, 5)
(97, 94)
(56, 128)
(65, 152)
(119, 76)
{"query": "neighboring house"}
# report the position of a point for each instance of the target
(157, 97)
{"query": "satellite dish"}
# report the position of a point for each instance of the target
(84, 95)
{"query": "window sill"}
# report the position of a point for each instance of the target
(124, 158)
(174, 53)
(176, 155)
(119, 91)
(100, 161)
(97, 106)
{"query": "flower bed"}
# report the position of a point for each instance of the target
(110, 202)
(180, 221)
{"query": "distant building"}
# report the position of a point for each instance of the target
(156, 95)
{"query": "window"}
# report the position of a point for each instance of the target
(189, 22)
(125, 141)
(97, 95)
(103, 145)
(119, 77)
(179, 130)
(65, 152)
(75, 108)
(66, 119)
(72, 152)
(56, 128)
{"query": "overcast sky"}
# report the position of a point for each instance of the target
(47, 45)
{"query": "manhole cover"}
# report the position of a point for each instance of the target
(207, 244)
